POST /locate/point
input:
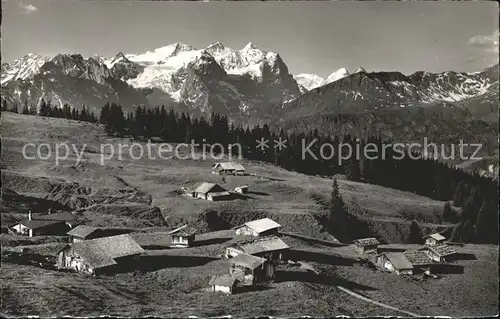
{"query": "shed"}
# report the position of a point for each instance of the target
(260, 227)
(395, 262)
(228, 168)
(224, 283)
(366, 245)
(251, 270)
(183, 236)
(270, 248)
(208, 191)
(243, 189)
(434, 239)
(106, 254)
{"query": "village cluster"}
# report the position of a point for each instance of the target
(253, 258)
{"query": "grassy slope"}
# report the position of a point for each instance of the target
(133, 194)
(294, 200)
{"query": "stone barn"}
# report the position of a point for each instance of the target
(395, 262)
(259, 228)
(100, 255)
(366, 245)
(224, 283)
(250, 270)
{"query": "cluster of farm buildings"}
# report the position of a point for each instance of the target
(253, 259)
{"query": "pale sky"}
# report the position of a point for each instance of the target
(311, 37)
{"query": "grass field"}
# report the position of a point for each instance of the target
(143, 196)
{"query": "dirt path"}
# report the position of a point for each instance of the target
(356, 295)
(309, 267)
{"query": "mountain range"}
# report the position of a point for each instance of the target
(250, 84)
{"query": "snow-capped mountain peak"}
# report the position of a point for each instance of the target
(215, 47)
(309, 81)
(249, 46)
(337, 75)
(359, 69)
(23, 68)
(160, 54)
(117, 58)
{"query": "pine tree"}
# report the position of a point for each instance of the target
(353, 171)
(104, 116)
(43, 110)
(25, 109)
(415, 236)
(338, 218)
(487, 223)
(460, 194)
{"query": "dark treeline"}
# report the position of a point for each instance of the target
(477, 220)
(46, 108)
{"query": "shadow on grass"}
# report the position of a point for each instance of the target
(243, 289)
(211, 241)
(152, 263)
(390, 249)
(258, 193)
(310, 277)
(156, 247)
(464, 256)
(323, 258)
(241, 196)
(25, 203)
(447, 269)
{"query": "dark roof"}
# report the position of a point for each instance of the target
(183, 231)
(223, 280)
(399, 261)
(35, 224)
(248, 261)
(203, 188)
(64, 216)
(442, 250)
(82, 231)
(101, 252)
(262, 245)
(417, 257)
(366, 241)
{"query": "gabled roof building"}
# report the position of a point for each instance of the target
(258, 228)
(100, 255)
